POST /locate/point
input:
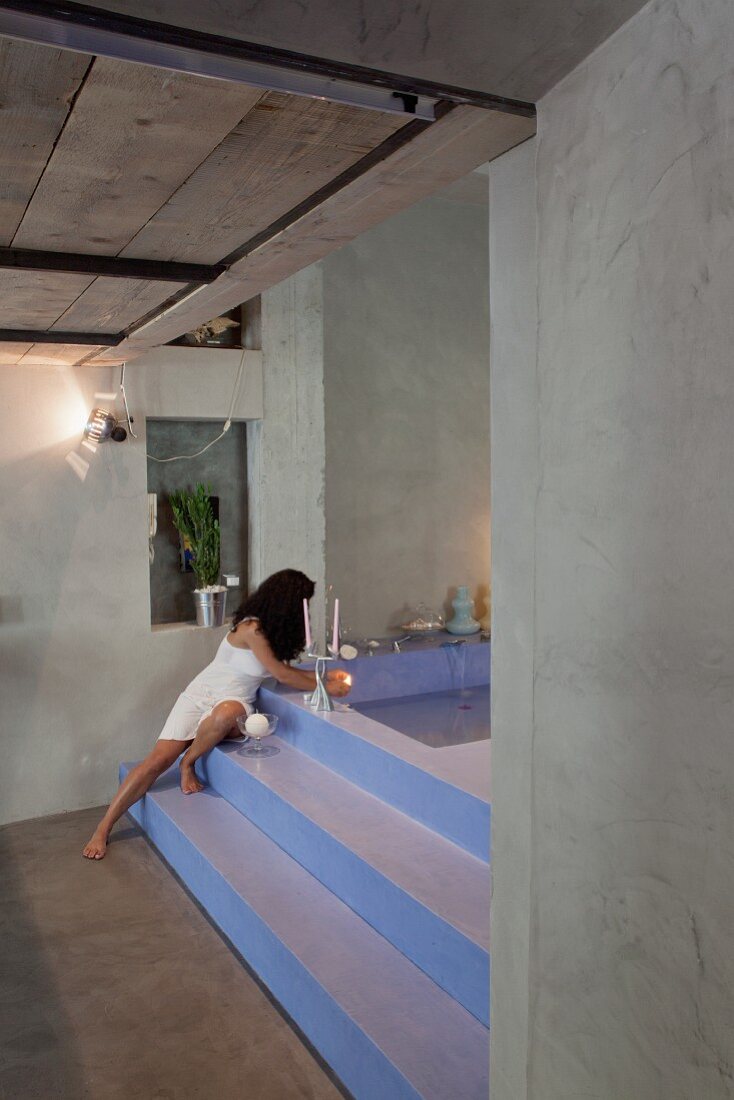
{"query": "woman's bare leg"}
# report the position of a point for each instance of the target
(221, 723)
(133, 787)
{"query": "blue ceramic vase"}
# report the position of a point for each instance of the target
(463, 621)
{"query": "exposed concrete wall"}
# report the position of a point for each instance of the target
(508, 49)
(285, 457)
(196, 383)
(513, 263)
(406, 354)
(632, 824)
(84, 682)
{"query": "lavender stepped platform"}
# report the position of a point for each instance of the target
(364, 752)
(419, 671)
(428, 897)
(386, 1029)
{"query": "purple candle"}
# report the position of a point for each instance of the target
(335, 638)
(307, 624)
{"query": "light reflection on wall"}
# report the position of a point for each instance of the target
(61, 397)
(73, 408)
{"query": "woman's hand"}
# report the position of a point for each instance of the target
(338, 682)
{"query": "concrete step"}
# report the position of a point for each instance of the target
(384, 1027)
(337, 740)
(427, 896)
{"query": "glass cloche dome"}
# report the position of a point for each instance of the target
(422, 620)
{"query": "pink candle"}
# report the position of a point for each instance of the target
(335, 637)
(307, 624)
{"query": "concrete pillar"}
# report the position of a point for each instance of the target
(286, 452)
(514, 489)
(612, 945)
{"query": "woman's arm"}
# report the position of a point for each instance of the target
(283, 673)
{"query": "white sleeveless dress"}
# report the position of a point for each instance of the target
(234, 675)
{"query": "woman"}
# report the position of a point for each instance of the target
(267, 633)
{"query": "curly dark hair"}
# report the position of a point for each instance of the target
(278, 605)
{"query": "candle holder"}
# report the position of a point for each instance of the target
(320, 698)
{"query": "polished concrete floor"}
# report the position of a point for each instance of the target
(114, 985)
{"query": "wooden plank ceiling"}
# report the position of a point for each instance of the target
(104, 157)
(109, 158)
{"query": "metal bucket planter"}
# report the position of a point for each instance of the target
(210, 607)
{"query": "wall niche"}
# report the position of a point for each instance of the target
(224, 468)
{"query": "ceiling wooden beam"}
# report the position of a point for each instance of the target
(36, 299)
(11, 354)
(134, 135)
(45, 355)
(37, 90)
(283, 151)
(109, 305)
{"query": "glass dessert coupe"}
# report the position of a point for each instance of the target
(256, 733)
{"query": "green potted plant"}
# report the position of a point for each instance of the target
(193, 518)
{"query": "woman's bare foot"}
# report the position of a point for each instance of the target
(97, 846)
(189, 780)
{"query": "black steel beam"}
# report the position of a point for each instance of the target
(95, 30)
(109, 267)
(53, 336)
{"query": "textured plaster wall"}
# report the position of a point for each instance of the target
(84, 682)
(406, 367)
(286, 458)
(500, 47)
(512, 261)
(625, 831)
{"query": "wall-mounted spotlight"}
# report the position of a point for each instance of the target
(102, 426)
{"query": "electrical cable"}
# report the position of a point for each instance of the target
(227, 422)
(176, 458)
(124, 398)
